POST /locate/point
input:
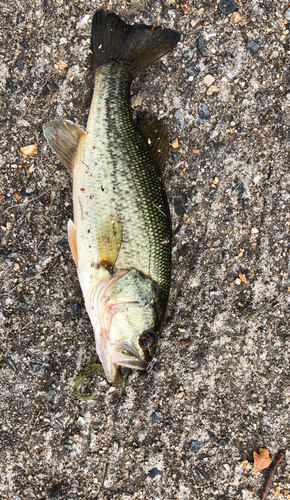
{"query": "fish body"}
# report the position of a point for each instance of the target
(121, 234)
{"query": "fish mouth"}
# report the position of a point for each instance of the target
(124, 355)
(128, 356)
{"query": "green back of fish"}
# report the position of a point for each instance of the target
(126, 183)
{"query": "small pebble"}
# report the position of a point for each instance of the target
(227, 6)
(35, 367)
(235, 17)
(62, 64)
(203, 113)
(19, 18)
(9, 362)
(239, 189)
(154, 472)
(75, 307)
(196, 445)
(163, 67)
(32, 271)
(187, 56)
(208, 80)
(59, 110)
(69, 448)
(62, 244)
(223, 442)
(217, 145)
(22, 306)
(30, 150)
(156, 416)
(212, 90)
(253, 46)
(254, 230)
(200, 46)
(179, 207)
(53, 495)
(178, 116)
(200, 475)
(174, 143)
(191, 71)
(157, 367)
(287, 14)
(184, 6)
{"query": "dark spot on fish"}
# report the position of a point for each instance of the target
(82, 189)
(89, 230)
(91, 197)
(102, 188)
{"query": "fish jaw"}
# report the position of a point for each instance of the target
(119, 354)
(113, 354)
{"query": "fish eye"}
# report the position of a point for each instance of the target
(147, 339)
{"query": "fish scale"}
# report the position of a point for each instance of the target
(125, 183)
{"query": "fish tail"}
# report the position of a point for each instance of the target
(134, 47)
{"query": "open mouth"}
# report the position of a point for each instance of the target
(128, 356)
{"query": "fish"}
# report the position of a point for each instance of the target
(120, 238)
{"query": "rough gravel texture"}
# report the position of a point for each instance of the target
(220, 389)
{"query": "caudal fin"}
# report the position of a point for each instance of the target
(133, 46)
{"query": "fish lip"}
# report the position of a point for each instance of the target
(126, 355)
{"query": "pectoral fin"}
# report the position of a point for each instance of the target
(109, 239)
(72, 239)
(63, 137)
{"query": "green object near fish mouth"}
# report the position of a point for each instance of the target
(87, 372)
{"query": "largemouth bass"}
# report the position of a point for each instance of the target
(121, 235)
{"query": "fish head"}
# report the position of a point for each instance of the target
(123, 314)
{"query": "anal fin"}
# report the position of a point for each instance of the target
(63, 137)
(109, 239)
(72, 239)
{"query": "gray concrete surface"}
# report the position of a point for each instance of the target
(221, 387)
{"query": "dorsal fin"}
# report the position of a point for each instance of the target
(63, 137)
(156, 135)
